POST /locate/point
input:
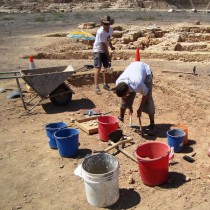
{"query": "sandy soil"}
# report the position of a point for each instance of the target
(33, 176)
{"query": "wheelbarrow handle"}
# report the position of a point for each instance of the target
(10, 72)
(10, 77)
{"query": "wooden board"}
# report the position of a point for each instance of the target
(89, 125)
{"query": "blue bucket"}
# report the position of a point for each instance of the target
(51, 128)
(67, 140)
(176, 139)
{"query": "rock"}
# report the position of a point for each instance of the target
(171, 10)
(159, 34)
(208, 152)
(188, 158)
(118, 28)
(61, 166)
(131, 180)
(87, 25)
(197, 22)
(187, 179)
(193, 154)
(178, 47)
(117, 34)
(125, 40)
(72, 120)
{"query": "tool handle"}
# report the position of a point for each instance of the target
(140, 125)
(117, 144)
(127, 154)
(130, 120)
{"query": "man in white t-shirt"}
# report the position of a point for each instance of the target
(101, 50)
(137, 78)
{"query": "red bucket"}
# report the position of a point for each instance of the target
(106, 125)
(153, 160)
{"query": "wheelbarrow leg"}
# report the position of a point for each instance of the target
(21, 95)
(36, 104)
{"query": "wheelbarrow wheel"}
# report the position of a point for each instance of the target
(61, 98)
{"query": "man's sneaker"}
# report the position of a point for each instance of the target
(97, 90)
(120, 118)
(106, 87)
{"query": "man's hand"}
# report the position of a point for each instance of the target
(112, 48)
(110, 58)
(139, 112)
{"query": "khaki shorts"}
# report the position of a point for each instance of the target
(149, 106)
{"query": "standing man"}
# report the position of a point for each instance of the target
(101, 50)
(137, 78)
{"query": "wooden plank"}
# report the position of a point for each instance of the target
(85, 124)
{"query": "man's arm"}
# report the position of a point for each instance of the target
(111, 46)
(125, 99)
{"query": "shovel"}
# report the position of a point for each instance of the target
(140, 127)
(115, 140)
(140, 131)
(115, 137)
(130, 122)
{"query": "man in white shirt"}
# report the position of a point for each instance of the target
(137, 78)
(101, 50)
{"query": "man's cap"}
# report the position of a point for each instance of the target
(107, 20)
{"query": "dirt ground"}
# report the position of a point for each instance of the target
(33, 176)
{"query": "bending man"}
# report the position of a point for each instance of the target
(137, 78)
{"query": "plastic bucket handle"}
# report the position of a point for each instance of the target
(171, 155)
(63, 137)
(73, 134)
(53, 128)
(51, 123)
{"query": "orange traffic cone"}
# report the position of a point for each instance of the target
(31, 66)
(137, 58)
(31, 63)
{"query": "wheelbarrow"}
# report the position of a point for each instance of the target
(47, 83)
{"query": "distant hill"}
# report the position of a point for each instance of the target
(67, 5)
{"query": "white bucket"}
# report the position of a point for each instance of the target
(101, 177)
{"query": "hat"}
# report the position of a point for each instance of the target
(107, 20)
